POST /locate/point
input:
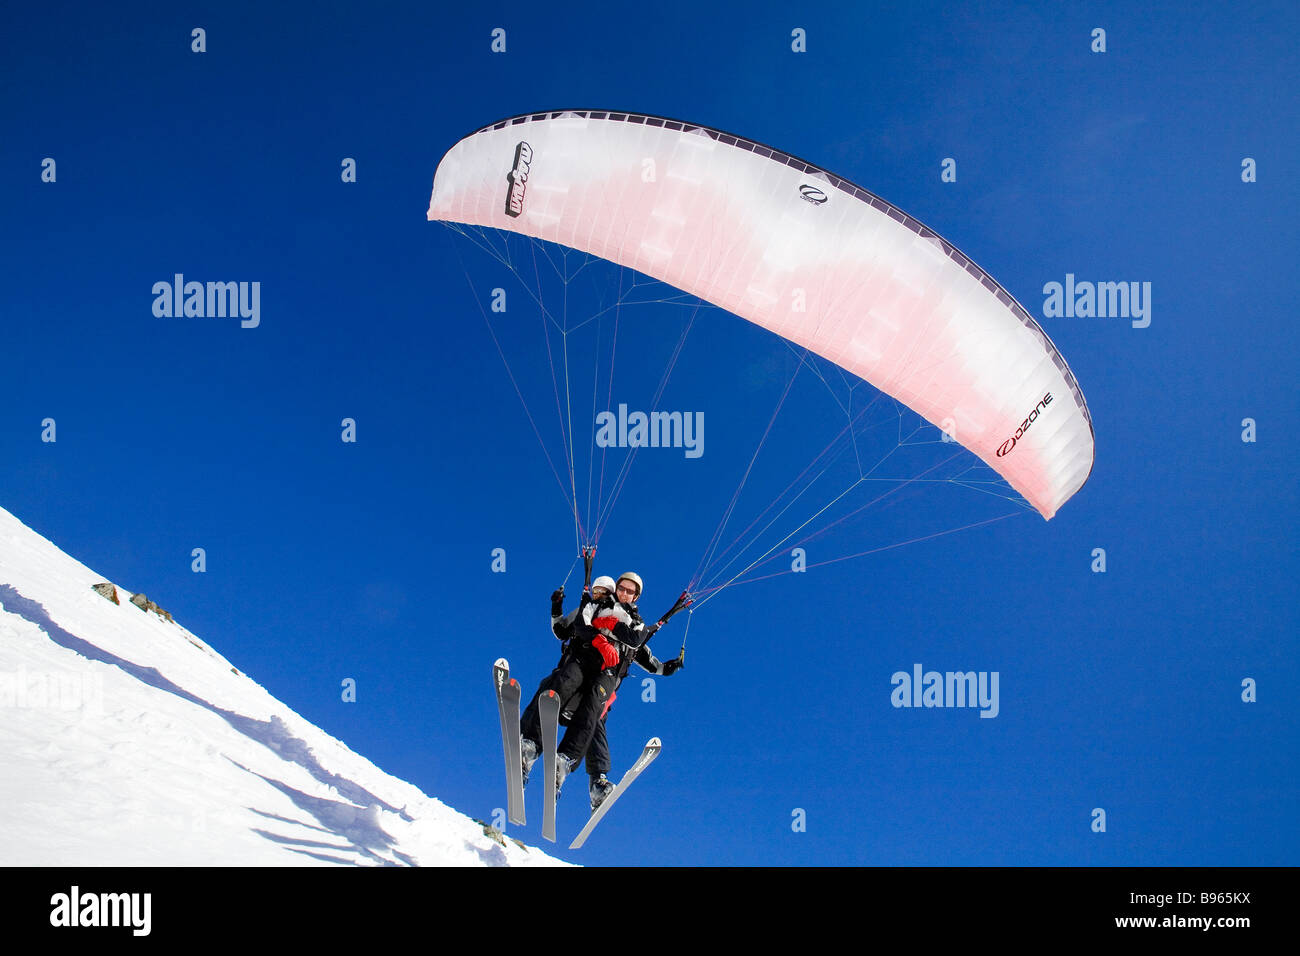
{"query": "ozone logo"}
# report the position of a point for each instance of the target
(518, 179)
(1032, 417)
(812, 194)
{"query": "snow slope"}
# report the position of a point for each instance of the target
(126, 740)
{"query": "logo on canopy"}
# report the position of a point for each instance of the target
(518, 179)
(812, 194)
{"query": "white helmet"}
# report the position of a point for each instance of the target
(634, 578)
(604, 581)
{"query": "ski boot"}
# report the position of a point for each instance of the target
(600, 789)
(564, 765)
(530, 751)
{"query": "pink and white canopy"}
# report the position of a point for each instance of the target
(800, 252)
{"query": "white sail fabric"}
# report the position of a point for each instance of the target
(800, 252)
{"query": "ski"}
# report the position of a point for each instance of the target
(548, 710)
(652, 748)
(508, 705)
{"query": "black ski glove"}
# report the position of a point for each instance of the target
(671, 667)
(557, 602)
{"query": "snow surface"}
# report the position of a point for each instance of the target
(125, 740)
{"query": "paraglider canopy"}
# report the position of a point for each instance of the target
(796, 250)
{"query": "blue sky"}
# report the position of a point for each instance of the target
(372, 560)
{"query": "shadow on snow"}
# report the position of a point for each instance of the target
(355, 818)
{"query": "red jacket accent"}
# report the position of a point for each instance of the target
(608, 704)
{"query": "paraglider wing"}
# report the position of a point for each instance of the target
(798, 251)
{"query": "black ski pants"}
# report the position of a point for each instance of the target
(585, 688)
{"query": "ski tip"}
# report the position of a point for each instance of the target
(550, 693)
(502, 663)
(654, 743)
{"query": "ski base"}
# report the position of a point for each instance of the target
(508, 696)
(548, 710)
(652, 748)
